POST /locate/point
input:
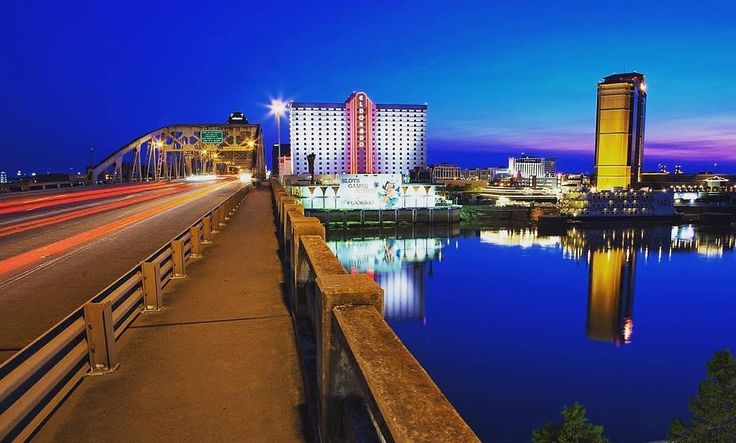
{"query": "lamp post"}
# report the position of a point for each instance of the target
(277, 109)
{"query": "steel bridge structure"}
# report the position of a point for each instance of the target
(180, 151)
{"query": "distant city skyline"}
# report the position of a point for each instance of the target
(499, 79)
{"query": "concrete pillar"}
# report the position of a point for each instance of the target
(282, 211)
(293, 209)
(103, 357)
(178, 258)
(332, 291)
(307, 227)
(207, 229)
(152, 291)
(196, 239)
(301, 226)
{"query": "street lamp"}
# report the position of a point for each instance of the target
(277, 108)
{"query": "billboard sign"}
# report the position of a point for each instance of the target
(369, 191)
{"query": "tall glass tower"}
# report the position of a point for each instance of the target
(619, 135)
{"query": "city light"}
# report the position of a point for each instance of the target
(277, 108)
(201, 178)
(246, 177)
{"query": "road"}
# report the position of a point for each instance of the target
(59, 248)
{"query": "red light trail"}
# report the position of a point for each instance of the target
(29, 204)
(44, 252)
(46, 221)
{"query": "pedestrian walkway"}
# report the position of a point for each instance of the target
(219, 363)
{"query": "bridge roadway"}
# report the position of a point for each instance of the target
(219, 363)
(59, 248)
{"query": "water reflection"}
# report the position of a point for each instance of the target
(398, 265)
(520, 323)
(611, 296)
(401, 261)
(611, 255)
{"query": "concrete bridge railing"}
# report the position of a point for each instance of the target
(367, 385)
(36, 380)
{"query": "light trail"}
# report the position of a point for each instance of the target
(30, 204)
(53, 249)
(46, 221)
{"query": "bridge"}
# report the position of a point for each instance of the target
(163, 309)
(180, 151)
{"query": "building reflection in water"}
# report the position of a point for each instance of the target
(401, 261)
(611, 296)
(399, 265)
(611, 255)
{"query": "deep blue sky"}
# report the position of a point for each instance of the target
(500, 77)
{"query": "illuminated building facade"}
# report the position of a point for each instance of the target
(610, 204)
(283, 150)
(3, 177)
(619, 138)
(534, 171)
(446, 172)
(358, 136)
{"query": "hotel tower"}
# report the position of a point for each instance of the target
(619, 137)
(358, 136)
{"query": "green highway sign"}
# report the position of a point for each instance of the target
(211, 136)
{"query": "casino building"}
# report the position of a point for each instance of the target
(619, 138)
(358, 136)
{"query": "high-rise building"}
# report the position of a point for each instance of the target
(358, 136)
(619, 138)
(534, 171)
(3, 177)
(284, 150)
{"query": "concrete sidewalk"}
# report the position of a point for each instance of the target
(219, 363)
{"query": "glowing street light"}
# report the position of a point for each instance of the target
(277, 108)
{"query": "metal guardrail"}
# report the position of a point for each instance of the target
(35, 381)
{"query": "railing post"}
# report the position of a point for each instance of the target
(152, 292)
(207, 230)
(299, 226)
(297, 210)
(194, 234)
(332, 291)
(103, 357)
(221, 215)
(177, 257)
(215, 221)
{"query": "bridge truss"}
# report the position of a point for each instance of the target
(178, 151)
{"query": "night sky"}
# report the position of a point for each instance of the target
(500, 77)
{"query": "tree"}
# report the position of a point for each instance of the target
(575, 428)
(713, 409)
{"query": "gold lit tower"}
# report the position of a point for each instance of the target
(619, 135)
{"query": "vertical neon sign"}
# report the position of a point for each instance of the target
(360, 119)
